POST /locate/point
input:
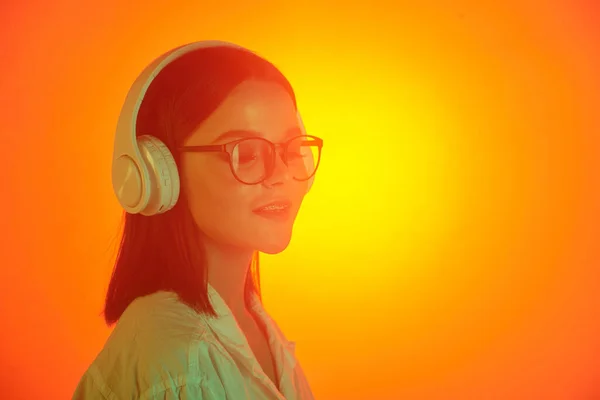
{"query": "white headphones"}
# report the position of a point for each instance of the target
(144, 174)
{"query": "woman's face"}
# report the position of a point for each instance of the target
(224, 208)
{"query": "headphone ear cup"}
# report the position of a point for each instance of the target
(164, 178)
(309, 161)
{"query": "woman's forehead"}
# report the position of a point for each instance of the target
(263, 108)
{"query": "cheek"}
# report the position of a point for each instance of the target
(218, 203)
(204, 183)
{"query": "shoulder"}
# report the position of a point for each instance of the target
(161, 316)
(159, 346)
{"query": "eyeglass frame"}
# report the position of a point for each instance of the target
(229, 146)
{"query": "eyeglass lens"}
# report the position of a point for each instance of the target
(252, 159)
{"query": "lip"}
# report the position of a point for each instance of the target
(275, 205)
(279, 209)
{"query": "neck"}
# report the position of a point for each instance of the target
(228, 269)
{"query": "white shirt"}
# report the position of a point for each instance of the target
(163, 349)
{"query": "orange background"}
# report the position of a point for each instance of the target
(450, 248)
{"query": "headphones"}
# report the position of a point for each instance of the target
(145, 178)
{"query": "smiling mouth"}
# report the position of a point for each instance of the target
(275, 210)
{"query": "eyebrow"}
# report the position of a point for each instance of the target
(242, 134)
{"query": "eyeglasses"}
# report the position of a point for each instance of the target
(253, 160)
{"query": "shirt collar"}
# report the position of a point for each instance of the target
(225, 327)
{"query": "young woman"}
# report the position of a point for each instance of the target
(211, 165)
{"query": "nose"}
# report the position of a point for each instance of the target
(280, 173)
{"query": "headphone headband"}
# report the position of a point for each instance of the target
(134, 192)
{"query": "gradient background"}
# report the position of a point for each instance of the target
(450, 248)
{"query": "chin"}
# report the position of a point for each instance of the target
(273, 247)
